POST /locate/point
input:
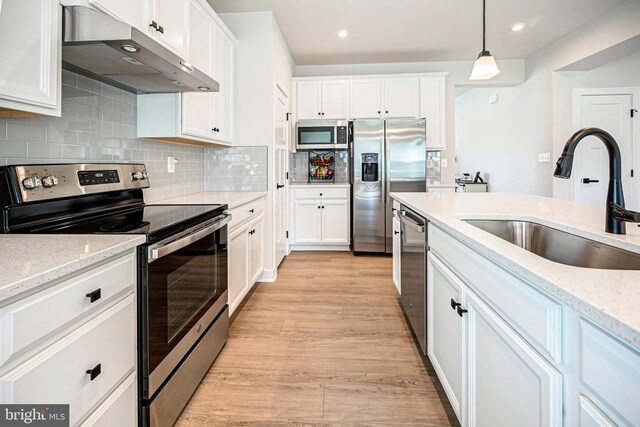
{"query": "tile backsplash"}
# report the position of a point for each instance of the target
(236, 168)
(98, 124)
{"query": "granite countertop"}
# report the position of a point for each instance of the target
(608, 297)
(231, 198)
(30, 260)
(320, 184)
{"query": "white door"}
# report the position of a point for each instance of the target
(29, 47)
(445, 345)
(402, 98)
(307, 221)
(308, 100)
(281, 151)
(611, 113)
(365, 99)
(133, 13)
(172, 17)
(197, 108)
(334, 105)
(238, 266)
(256, 236)
(396, 253)
(499, 362)
(335, 221)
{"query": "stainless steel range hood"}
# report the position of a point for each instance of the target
(103, 48)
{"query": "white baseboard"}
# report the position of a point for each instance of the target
(268, 275)
(344, 248)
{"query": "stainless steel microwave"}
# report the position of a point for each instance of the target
(322, 134)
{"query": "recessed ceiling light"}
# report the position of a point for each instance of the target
(518, 27)
(343, 33)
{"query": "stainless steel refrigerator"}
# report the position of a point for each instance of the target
(387, 156)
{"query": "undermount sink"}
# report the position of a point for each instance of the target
(559, 246)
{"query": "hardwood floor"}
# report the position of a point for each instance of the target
(326, 345)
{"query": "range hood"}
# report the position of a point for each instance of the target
(103, 48)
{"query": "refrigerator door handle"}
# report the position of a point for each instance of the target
(383, 169)
(387, 167)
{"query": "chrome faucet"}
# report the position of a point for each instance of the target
(616, 214)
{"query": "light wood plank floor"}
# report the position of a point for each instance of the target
(326, 345)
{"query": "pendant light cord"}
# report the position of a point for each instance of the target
(484, 13)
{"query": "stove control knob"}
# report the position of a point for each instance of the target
(137, 176)
(49, 181)
(31, 182)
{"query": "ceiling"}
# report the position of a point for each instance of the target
(418, 30)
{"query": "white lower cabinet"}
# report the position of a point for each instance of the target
(246, 250)
(82, 351)
(396, 253)
(320, 218)
(491, 375)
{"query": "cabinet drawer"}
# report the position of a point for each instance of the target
(31, 319)
(119, 409)
(531, 313)
(322, 193)
(611, 370)
(247, 211)
(57, 374)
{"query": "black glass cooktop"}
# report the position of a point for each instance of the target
(155, 221)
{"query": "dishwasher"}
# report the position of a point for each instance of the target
(413, 261)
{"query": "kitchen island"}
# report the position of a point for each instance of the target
(548, 343)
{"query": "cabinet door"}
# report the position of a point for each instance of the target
(334, 104)
(335, 221)
(30, 37)
(365, 99)
(396, 253)
(238, 266)
(308, 100)
(256, 237)
(307, 221)
(432, 108)
(197, 108)
(131, 12)
(223, 109)
(445, 346)
(173, 17)
(402, 98)
(500, 361)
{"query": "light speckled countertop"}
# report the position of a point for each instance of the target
(231, 198)
(608, 297)
(30, 260)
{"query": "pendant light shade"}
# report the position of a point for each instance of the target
(485, 66)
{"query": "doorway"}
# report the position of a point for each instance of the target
(281, 156)
(610, 110)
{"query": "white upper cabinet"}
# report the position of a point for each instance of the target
(402, 98)
(322, 99)
(365, 100)
(432, 108)
(30, 66)
(169, 23)
(222, 122)
(133, 13)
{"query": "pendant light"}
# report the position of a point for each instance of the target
(485, 67)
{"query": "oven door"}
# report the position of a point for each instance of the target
(185, 290)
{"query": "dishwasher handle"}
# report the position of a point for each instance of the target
(410, 222)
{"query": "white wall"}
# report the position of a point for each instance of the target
(512, 73)
(536, 116)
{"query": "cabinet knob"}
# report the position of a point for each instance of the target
(94, 372)
(321, 194)
(251, 210)
(154, 25)
(386, 112)
(279, 186)
(160, 29)
(319, 207)
(95, 295)
(454, 304)
(322, 114)
(323, 207)
(396, 232)
(379, 111)
(461, 311)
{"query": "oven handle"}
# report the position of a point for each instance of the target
(157, 252)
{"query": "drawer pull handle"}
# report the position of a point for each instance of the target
(95, 295)
(251, 210)
(95, 371)
(461, 311)
(454, 304)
